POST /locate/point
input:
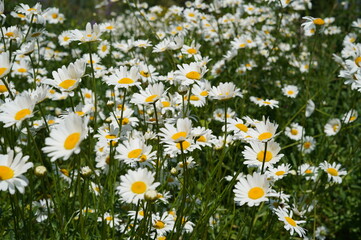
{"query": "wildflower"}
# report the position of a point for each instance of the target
(333, 171)
(291, 225)
(310, 107)
(279, 172)
(225, 91)
(162, 224)
(134, 184)
(255, 155)
(5, 65)
(265, 130)
(350, 116)
(14, 112)
(11, 172)
(290, 91)
(150, 95)
(295, 131)
(111, 220)
(308, 144)
(123, 78)
(332, 127)
(251, 189)
(65, 138)
(309, 171)
(43, 207)
(190, 73)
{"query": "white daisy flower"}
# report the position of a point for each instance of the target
(190, 73)
(279, 172)
(150, 95)
(42, 207)
(350, 116)
(255, 155)
(162, 224)
(133, 151)
(333, 171)
(308, 144)
(295, 131)
(5, 64)
(309, 171)
(123, 78)
(264, 130)
(134, 184)
(310, 107)
(14, 112)
(290, 91)
(11, 172)
(252, 189)
(332, 127)
(291, 225)
(65, 138)
(225, 91)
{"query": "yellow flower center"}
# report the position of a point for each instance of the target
(88, 95)
(166, 104)
(71, 141)
(151, 98)
(307, 145)
(66, 84)
(291, 221)
(109, 27)
(335, 127)
(261, 156)
(65, 172)
(110, 136)
(2, 71)
(159, 224)
(22, 70)
(242, 127)
(125, 121)
(21, 15)
(204, 94)
(332, 171)
(126, 81)
(51, 121)
(192, 51)
(109, 218)
(280, 173)
(3, 89)
(54, 15)
(294, 132)
(139, 187)
(242, 45)
(144, 74)
(104, 48)
(80, 113)
(202, 139)
(255, 193)
(308, 171)
(179, 135)
(6, 173)
(290, 92)
(185, 145)
(22, 114)
(352, 118)
(9, 34)
(31, 9)
(319, 21)
(358, 61)
(135, 153)
(265, 136)
(193, 75)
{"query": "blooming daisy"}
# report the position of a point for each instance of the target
(123, 78)
(251, 189)
(308, 144)
(309, 171)
(134, 184)
(295, 131)
(264, 130)
(255, 155)
(91, 33)
(111, 220)
(350, 116)
(279, 172)
(190, 73)
(332, 127)
(43, 207)
(14, 112)
(5, 65)
(150, 95)
(11, 172)
(333, 171)
(65, 138)
(162, 224)
(310, 107)
(291, 225)
(290, 91)
(177, 134)
(225, 91)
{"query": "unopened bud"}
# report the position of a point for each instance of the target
(151, 195)
(174, 171)
(40, 171)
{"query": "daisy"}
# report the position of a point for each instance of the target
(150, 95)
(162, 224)
(225, 91)
(91, 33)
(333, 171)
(11, 172)
(190, 73)
(308, 144)
(309, 171)
(5, 65)
(332, 127)
(270, 103)
(134, 150)
(134, 184)
(14, 112)
(111, 220)
(291, 225)
(350, 116)
(255, 155)
(123, 78)
(177, 134)
(279, 172)
(295, 131)
(251, 189)
(65, 138)
(238, 126)
(191, 50)
(264, 130)
(290, 91)
(220, 115)
(43, 207)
